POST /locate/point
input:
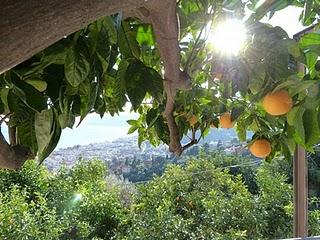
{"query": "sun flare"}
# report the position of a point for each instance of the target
(228, 37)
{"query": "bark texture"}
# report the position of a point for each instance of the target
(12, 157)
(29, 26)
(163, 16)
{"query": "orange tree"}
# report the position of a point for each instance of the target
(141, 53)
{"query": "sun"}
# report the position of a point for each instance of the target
(228, 37)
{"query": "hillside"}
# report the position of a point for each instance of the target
(125, 148)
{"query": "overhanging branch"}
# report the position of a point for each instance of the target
(29, 26)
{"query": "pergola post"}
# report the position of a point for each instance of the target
(300, 177)
(300, 186)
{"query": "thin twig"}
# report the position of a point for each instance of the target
(4, 118)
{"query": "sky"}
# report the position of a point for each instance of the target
(288, 19)
(93, 129)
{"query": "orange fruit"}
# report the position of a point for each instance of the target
(193, 120)
(277, 103)
(225, 121)
(260, 148)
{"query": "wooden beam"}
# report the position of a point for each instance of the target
(300, 186)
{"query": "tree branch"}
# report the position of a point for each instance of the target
(29, 26)
(12, 135)
(193, 140)
(163, 16)
(12, 157)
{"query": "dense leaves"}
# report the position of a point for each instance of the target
(71, 204)
(114, 60)
(204, 199)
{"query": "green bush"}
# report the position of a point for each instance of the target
(205, 199)
(201, 201)
(70, 204)
(22, 218)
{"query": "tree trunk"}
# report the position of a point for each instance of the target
(12, 157)
(29, 26)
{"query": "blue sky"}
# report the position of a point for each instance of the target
(93, 129)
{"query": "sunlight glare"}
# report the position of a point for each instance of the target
(228, 37)
(77, 197)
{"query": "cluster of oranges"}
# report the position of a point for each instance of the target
(274, 103)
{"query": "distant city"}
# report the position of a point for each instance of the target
(121, 154)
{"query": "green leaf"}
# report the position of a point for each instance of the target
(285, 84)
(37, 84)
(140, 140)
(13, 101)
(66, 119)
(291, 145)
(301, 86)
(152, 116)
(127, 42)
(88, 101)
(26, 135)
(311, 127)
(241, 128)
(77, 66)
(162, 130)
(54, 76)
(140, 80)
(43, 128)
(76, 105)
(136, 84)
(29, 95)
(55, 54)
(109, 24)
(295, 119)
(133, 122)
(236, 112)
(4, 98)
(294, 112)
(310, 40)
(154, 84)
(54, 140)
(145, 35)
(120, 84)
(256, 78)
(1, 107)
(47, 131)
(268, 6)
(293, 47)
(132, 129)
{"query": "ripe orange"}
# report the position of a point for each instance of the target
(260, 148)
(277, 103)
(193, 120)
(225, 121)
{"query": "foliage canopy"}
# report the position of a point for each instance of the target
(114, 60)
(203, 199)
